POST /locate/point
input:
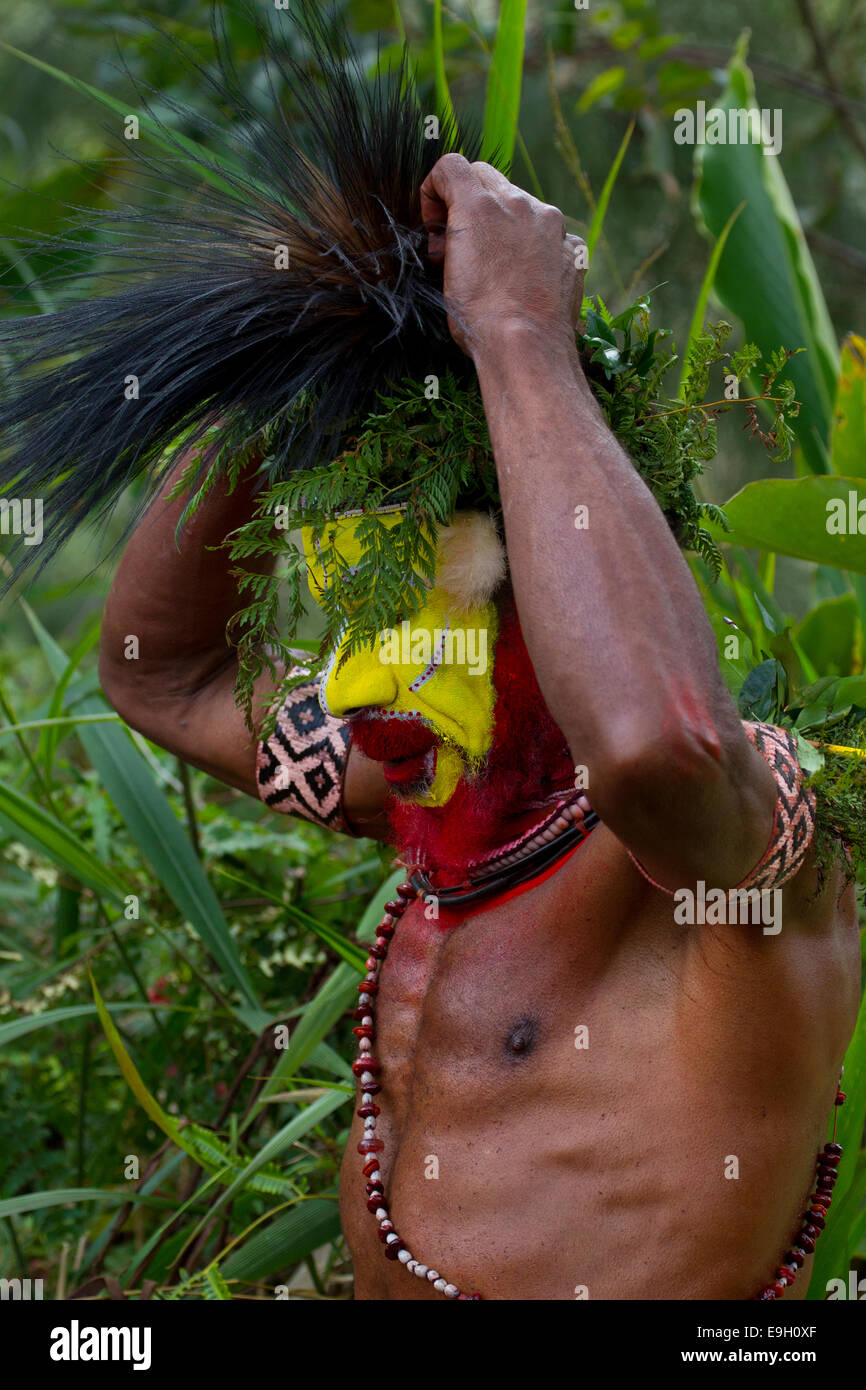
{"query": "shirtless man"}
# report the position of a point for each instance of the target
(622, 1105)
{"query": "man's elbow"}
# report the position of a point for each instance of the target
(660, 765)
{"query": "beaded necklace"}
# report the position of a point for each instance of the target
(368, 1069)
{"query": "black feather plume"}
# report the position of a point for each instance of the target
(281, 300)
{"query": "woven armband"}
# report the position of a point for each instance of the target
(794, 819)
(301, 767)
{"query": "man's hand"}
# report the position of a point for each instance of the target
(508, 259)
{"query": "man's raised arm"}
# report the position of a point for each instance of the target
(612, 619)
(179, 689)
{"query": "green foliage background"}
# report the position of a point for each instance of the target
(245, 922)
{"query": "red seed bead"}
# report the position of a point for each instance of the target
(778, 1289)
(833, 1149)
(376, 1186)
(795, 1256)
(366, 1063)
(828, 1175)
(395, 908)
(371, 1088)
(385, 1230)
(370, 1166)
(406, 891)
(370, 1146)
(825, 1196)
(368, 987)
(788, 1272)
(385, 929)
(807, 1243)
(364, 1030)
(817, 1217)
(374, 1202)
(464, 1298)
(393, 1250)
(377, 953)
(829, 1160)
(363, 1011)
(366, 1111)
(841, 1098)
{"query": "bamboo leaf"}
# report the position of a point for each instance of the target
(502, 105)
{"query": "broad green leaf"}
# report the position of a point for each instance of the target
(286, 1240)
(157, 831)
(766, 275)
(791, 516)
(848, 440)
(598, 216)
(48, 836)
(735, 652)
(502, 105)
(830, 635)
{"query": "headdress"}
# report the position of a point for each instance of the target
(275, 302)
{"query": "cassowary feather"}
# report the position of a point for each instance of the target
(289, 295)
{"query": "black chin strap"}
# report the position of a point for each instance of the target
(510, 875)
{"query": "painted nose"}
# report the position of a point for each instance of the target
(362, 681)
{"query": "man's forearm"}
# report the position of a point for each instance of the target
(612, 619)
(176, 599)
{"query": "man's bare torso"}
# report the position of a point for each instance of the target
(565, 1168)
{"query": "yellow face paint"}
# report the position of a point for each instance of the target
(437, 667)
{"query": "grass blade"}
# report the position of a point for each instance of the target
(157, 832)
(173, 142)
(443, 95)
(47, 835)
(700, 313)
(600, 212)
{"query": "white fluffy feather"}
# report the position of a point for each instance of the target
(471, 559)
